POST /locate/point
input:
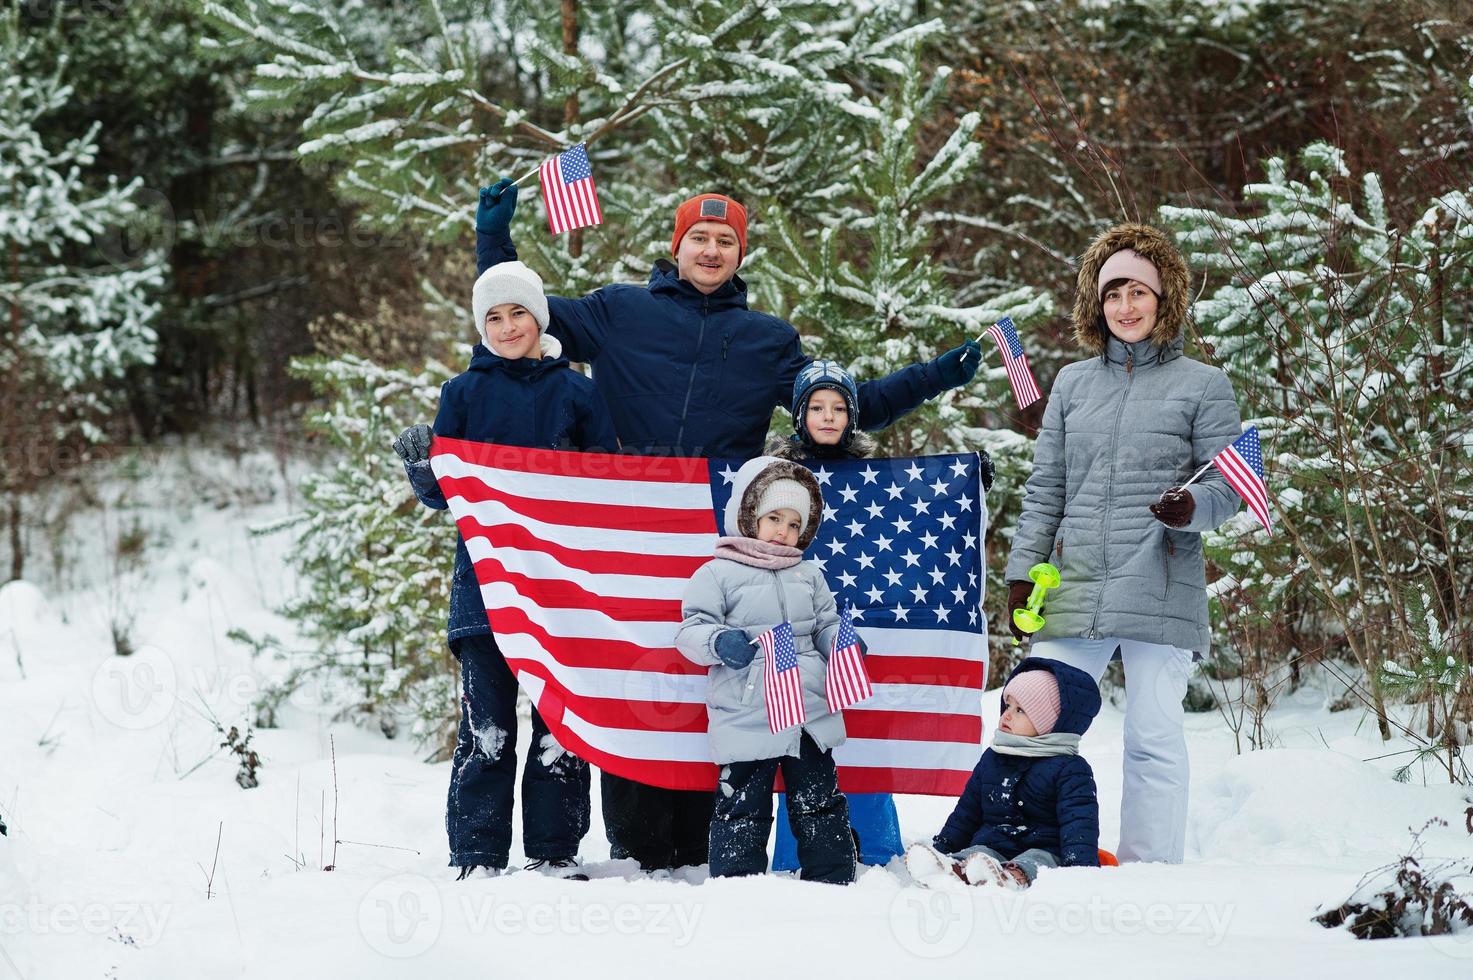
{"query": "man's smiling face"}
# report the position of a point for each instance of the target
(709, 255)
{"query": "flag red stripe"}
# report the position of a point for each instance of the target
(669, 774)
(589, 653)
(862, 722)
(941, 671)
(635, 715)
(598, 562)
(552, 182)
(1242, 479)
(562, 594)
(594, 466)
(927, 782)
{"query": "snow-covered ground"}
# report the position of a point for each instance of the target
(133, 853)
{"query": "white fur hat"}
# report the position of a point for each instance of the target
(511, 282)
(786, 493)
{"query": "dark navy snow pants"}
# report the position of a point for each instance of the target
(555, 783)
(817, 810)
(658, 827)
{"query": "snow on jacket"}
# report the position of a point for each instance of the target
(1014, 803)
(1119, 428)
(536, 403)
(696, 374)
(725, 595)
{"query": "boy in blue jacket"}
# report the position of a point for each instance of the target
(519, 392)
(1031, 801)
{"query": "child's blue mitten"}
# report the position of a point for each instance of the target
(734, 649)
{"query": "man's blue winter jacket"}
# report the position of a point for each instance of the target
(695, 374)
(1014, 803)
(537, 403)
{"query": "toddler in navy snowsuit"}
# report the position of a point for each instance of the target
(519, 392)
(1030, 802)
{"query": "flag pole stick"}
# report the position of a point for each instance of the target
(529, 173)
(1197, 474)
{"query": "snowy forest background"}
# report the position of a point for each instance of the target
(249, 223)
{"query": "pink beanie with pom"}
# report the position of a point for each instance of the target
(1038, 694)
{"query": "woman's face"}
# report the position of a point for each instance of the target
(827, 417)
(1130, 311)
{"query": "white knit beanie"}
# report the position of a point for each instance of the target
(786, 493)
(508, 282)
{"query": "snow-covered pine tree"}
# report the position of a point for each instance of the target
(863, 285)
(78, 310)
(1347, 337)
(374, 563)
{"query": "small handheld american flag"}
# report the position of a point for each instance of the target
(1025, 389)
(568, 191)
(783, 679)
(846, 682)
(1242, 465)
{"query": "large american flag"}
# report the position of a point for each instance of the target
(1242, 465)
(1020, 376)
(568, 191)
(582, 559)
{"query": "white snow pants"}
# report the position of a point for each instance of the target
(1153, 799)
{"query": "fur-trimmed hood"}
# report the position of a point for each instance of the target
(1153, 244)
(755, 476)
(793, 448)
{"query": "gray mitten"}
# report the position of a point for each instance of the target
(413, 444)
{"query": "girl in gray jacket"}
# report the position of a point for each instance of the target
(757, 581)
(1123, 430)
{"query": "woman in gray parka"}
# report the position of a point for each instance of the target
(1123, 429)
(757, 581)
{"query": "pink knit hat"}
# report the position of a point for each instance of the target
(1037, 694)
(1129, 264)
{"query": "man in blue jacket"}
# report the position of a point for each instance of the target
(687, 369)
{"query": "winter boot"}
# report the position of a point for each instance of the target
(566, 868)
(486, 870)
(928, 867)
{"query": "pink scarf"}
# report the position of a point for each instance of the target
(758, 554)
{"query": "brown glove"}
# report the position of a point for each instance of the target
(1018, 593)
(1175, 508)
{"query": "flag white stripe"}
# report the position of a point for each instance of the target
(579, 538)
(885, 641)
(578, 489)
(541, 565)
(899, 753)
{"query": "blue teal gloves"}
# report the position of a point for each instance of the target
(959, 365)
(498, 204)
(734, 649)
